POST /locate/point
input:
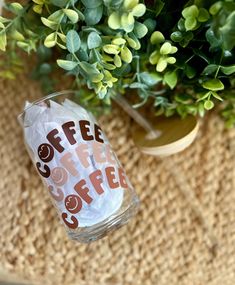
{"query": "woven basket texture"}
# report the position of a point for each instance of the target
(166, 243)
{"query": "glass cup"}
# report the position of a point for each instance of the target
(82, 174)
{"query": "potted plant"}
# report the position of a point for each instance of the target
(177, 54)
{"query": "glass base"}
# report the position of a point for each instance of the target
(100, 230)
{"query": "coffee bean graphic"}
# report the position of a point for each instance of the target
(73, 203)
(45, 152)
(59, 176)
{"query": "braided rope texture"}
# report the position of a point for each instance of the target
(164, 244)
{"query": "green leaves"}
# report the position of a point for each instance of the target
(227, 32)
(193, 17)
(55, 19)
(206, 99)
(157, 38)
(190, 23)
(57, 3)
(92, 3)
(117, 61)
(3, 41)
(212, 68)
(140, 30)
(50, 24)
(165, 48)
(3, 32)
(57, 37)
(107, 44)
(93, 15)
(50, 40)
(228, 70)
(127, 21)
(207, 96)
(190, 71)
(114, 21)
(118, 41)
(162, 55)
(45, 69)
(177, 36)
(72, 15)
(138, 10)
(222, 33)
(214, 9)
(66, 64)
(159, 6)
(212, 39)
(213, 85)
(16, 8)
(94, 40)
(73, 41)
(203, 15)
(190, 14)
(124, 18)
(150, 24)
(116, 53)
(170, 78)
(208, 105)
(17, 35)
(57, 16)
(191, 11)
(88, 68)
(126, 55)
(150, 79)
(4, 20)
(111, 49)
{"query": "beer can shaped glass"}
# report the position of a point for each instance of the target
(82, 174)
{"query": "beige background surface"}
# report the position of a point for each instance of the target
(165, 244)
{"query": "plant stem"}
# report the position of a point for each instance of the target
(21, 15)
(189, 58)
(217, 71)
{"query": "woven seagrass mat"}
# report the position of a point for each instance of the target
(164, 244)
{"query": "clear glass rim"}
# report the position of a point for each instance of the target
(42, 99)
